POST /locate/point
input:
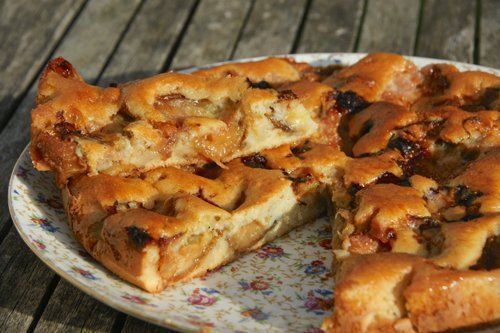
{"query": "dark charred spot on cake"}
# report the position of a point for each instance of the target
(255, 161)
(302, 179)
(209, 170)
(435, 83)
(350, 102)
(429, 223)
(472, 107)
(113, 85)
(299, 179)
(472, 216)
(465, 196)
(259, 85)
(490, 100)
(470, 154)
(406, 147)
(472, 212)
(388, 178)
(367, 126)
(489, 259)
(353, 189)
(139, 237)
(299, 150)
(286, 95)
(65, 129)
(326, 71)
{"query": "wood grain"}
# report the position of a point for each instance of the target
(390, 26)
(25, 280)
(71, 310)
(212, 33)
(489, 38)
(331, 26)
(133, 325)
(30, 30)
(447, 30)
(148, 42)
(271, 28)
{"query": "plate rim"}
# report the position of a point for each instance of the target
(137, 313)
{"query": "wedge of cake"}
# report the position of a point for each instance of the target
(171, 119)
(170, 224)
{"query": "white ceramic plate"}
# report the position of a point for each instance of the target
(283, 287)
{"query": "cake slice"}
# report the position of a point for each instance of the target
(171, 119)
(170, 225)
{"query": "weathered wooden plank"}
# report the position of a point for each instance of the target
(148, 42)
(212, 33)
(133, 325)
(23, 283)
(390, 26)
(447, 30)
(70, 310)
(96, 34)
(489, 42)
(271, 28)
(331, 26)
(28, 33)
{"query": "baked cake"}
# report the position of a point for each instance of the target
(167, 178)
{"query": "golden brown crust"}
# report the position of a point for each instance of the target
(404, 293)
(374, 126)
(380, 77)
(181, 224)
(423, 182)
(275, 71)
(169, 119)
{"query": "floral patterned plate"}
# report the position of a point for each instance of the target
(283, 287)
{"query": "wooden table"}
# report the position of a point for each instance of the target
(113, 40)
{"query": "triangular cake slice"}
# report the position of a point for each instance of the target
(170, 224)
(171, 119)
